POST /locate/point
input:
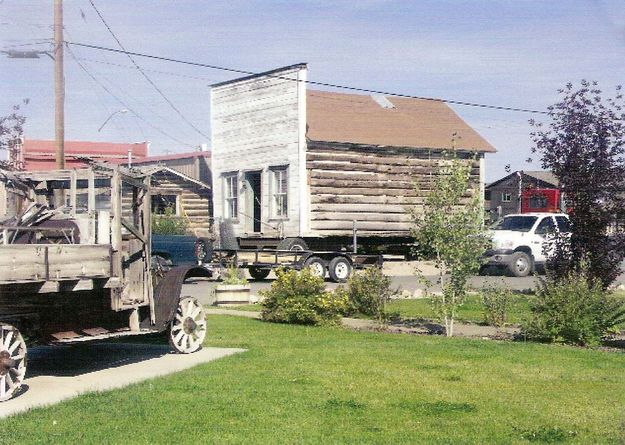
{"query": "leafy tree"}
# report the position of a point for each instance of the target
(11, 129)
(584, 146)
(450, 224)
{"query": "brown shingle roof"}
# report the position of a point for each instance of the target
(359, 119)
(545, 176)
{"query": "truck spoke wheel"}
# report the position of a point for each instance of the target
(188, 328)
(12, 361)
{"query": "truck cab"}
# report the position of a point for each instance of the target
(519, 241)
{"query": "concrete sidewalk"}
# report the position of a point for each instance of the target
(62, 373)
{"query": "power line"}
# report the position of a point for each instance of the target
(311, 82)
(187, 76)
(171, 104)
(123, 103)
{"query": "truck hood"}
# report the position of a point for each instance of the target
(506, 239)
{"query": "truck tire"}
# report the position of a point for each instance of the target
(204, 250)
(520, 265)
(258, 273)
(316, 265)
(296, 244)
(339, 269)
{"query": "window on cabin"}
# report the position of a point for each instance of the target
(506, 197)
(280, 187)
(231, 195)
(162, 204)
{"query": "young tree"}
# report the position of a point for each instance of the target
(450, 224)
(11, 129)
(584, 146)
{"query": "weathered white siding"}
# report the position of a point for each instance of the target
(258, 123)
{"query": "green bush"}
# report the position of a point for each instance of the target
(301, 298)
(233, 276)
(496, 304)
(369, 293)
(168, 223)
(575, 310)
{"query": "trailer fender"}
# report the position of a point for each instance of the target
(167, 295)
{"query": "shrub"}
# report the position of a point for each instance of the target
(369, 293)
(575, 310)
(496, 303)
(233, 276)
(168, 223)
(301, 298)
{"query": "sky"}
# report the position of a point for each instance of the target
(498, 52)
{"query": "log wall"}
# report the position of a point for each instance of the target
(194, 202)
(374, 186)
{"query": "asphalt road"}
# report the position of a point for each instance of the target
(202, 289)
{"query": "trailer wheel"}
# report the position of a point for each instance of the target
(188, 328)
(293, 244)
(258, 273)
(12, 361)
(316, 265)
(340, 269)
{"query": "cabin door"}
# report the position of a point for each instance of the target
(253, 200)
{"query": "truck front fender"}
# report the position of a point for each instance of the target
(167, 295)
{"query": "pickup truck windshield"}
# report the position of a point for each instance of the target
(516, 223)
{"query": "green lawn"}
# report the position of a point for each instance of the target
(471, 309)
(327, 385)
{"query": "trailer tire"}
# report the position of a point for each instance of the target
(188, 328)
(12, 361)
(340, 269)
(293, 244)
(259, 273)
(316, 265)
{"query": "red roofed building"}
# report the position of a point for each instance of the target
(38, 154)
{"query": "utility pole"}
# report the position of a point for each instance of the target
(59, 86)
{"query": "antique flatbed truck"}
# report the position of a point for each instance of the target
(75, 265)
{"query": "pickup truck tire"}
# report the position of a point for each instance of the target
(258, 273)
(520, 264)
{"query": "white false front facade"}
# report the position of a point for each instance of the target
(258, 127)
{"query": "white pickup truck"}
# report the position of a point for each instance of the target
(519, 239)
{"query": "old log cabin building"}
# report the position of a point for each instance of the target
(290, 161)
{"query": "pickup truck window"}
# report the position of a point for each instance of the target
(516, 223)
(564, 225)
(546, 226)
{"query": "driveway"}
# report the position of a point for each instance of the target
(56, 373)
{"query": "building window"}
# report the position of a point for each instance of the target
(538, 202)
(231, 194)
(280, 187)
(506, 197)
(163, 204)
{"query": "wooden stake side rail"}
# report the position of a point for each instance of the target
(54, 262)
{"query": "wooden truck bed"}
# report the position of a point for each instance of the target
(23, 263)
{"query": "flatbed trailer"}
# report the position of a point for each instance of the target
(76, 265)
(260, 262)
